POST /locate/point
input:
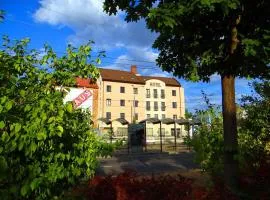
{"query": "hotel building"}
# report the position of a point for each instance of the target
(128, 95)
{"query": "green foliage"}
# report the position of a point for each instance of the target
(207, 140)
(45, 146)
(194, 36)
(254, 130)
(2, 13)
(253, 137)
(188, 114)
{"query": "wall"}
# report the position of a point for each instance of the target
(116, 96)
(129, 109)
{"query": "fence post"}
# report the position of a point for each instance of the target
(175, 136)
(160, 135)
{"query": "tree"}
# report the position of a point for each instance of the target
(199, 38)
(46, 146)
(2, 13)
(188, 114)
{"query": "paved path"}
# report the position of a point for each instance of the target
(155, 163)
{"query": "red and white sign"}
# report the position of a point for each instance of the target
(82, 98)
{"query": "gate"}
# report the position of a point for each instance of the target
(136, 137)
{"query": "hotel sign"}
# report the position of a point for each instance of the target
(154, 84)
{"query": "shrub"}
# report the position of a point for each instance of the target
(253, 133)
(254, 129)
(130, 186)
(45, 146)
(207, 141)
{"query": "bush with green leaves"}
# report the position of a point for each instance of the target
(254, 129)
(207, 140)
(46, 146)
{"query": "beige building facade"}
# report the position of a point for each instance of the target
(128, 95)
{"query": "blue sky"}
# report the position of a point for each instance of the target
(59, 22)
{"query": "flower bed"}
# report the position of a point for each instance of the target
(131, 186)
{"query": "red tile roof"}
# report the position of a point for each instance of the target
(84, 82)
(128, 77)
(120, 76)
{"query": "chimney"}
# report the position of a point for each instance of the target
(133, 69)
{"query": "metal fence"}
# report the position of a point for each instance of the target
(151, 146)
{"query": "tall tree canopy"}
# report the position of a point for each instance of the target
(195, 36)
(199, 38)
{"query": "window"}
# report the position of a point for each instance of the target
(136, 103)
(122, 89)
(174, 104)
(122, 115)
(162, 94)
(108, 102)
(163, 106)
(122, 131)
(149, 132)
(109, 88)
(156, 106)
(163, 116)
(174, 116)
(162, 131)
(155, 93)
(172, 132)
(178, 133)
(173, 92)
(148, 105)
(148, 116)
(135, 90)
(156, 116)
(122, 102)
(136, 116)
(108, 115)
(147, 93)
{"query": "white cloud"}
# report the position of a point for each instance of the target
(118, 64)
(88, 21)
(161, 74)
(143, 54)
(136, 56)
(215, 78)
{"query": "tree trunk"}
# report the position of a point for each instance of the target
(229, 131)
